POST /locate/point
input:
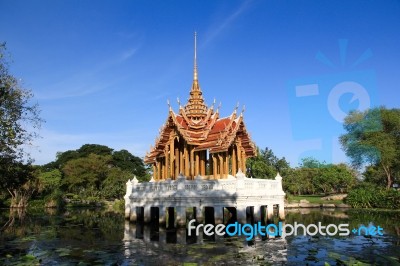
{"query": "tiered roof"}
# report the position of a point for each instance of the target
(202, 127)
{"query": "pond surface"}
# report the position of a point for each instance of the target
(94, 237)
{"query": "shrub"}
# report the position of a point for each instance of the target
(370, 196)
(119, 206)
(55, 200)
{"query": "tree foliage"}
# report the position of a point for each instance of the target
(49, 181)
(373, 138)
(96, 171)
(114, 186)
(19, 120)
(315, 177)
(369, 195)
(17, 114)
(266, 165)
(124, 160)
(86, 173)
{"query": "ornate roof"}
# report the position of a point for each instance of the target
(201, 126)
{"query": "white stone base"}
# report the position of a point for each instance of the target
(237, 192)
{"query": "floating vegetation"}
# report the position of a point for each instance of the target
(91, 237)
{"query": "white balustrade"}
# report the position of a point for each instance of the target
(237, 192)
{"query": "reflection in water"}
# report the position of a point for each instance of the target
(176, 246)
(96, 237)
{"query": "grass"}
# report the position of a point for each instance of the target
(312, 199)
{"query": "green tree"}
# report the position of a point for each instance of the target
(129, 162)
(310, 162)
(49, 181)
(63, 157)
(315, 177)
(85, 175)
(114, 186)
(372, 137)
(19, 120)
(267, 165)
(97, 170)
(87, 149)
(374, 174)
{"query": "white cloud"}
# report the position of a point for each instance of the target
(217, 29)
(85, 81)
(128, 54)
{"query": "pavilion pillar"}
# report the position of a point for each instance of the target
(234, 170)
(192, 162)
(244, 170)
(154, 171)
(203, 163)
(166, 162)
(211, 167)
(171, 159)
(241, 156)
(197, 164)
(221, 166)
(133, 213)
(180, 216)
(239, 159)
(147, 214)
(181, 161)
(215, 166)
(161, 215)
(199, 214)
(218, 214)
(257, 213)
(158, 170)
(241, 214)
(270, 213)
(186, 154)
(226, 164)
(281, 211)
(177, 161)
(163, 169)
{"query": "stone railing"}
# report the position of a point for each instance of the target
(232, 185)
(234, 192)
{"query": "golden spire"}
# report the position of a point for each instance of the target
(195, 108)
(195, 57)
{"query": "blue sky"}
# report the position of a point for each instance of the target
(102, 71)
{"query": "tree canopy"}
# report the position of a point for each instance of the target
(17, 114)
(95, 170)
(19, 120)
(266, 164)
(315, 177)
(372, 139)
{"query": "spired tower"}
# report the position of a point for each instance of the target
(198, 162)
(197, 142)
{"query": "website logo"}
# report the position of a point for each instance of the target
(257, 229)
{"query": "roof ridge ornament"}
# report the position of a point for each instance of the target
(244, 109)
(169, 105)
(236, 108)
(195, 75)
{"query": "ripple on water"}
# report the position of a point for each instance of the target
(95, 237)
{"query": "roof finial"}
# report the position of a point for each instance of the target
(195, 57)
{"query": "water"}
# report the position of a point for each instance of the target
(94, 237)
